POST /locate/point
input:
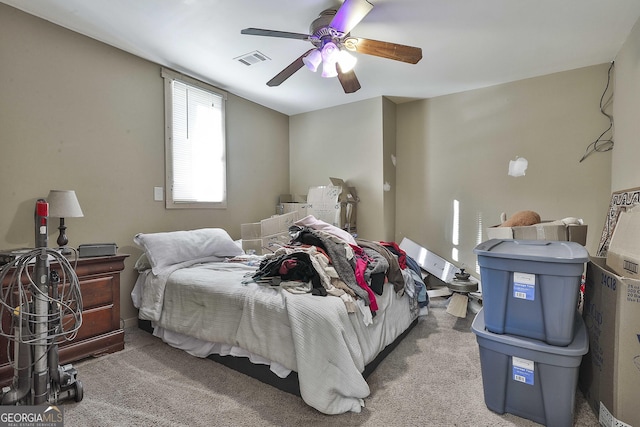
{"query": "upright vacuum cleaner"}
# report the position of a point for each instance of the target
(45, 308)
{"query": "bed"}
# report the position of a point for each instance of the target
(198, 291)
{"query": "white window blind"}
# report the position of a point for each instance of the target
(195, 143)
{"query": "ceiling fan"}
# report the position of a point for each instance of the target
(331, 38)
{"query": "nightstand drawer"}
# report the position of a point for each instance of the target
(95, 322)
(96, 291)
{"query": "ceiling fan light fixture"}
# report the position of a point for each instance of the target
(313, 60)
(330, 35)
(329, 70)
(330, 53)
(346, 61)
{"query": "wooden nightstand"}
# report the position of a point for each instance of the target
(100, 332)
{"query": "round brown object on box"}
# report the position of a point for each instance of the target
(522, 218)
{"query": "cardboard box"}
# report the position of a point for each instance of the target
(335, 204)
(265, 244)
(542, 231)
(284, 208)
(610, 371)
(250, 231)
(259, 236)
(292, 198)
(277, 224)
(323, 203)
(268, 226)
(292, 203)
(623, 256)
(252, 246)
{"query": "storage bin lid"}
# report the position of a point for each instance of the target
(534, 250)
(578, 347)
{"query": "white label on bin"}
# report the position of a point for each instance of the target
(523, 370)
(524, 286)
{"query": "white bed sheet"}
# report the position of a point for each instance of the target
(312, 335)
(200, 348)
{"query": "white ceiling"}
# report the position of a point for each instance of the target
(466, 44)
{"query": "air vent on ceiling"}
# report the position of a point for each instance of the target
(253, 58)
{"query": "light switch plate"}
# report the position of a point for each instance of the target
(158, 194)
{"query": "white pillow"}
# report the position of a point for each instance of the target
(142, 263)
(175, 247)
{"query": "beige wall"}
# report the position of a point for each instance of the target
(458, 147)
(343, 142)
(389, 132)
(78, 114)
(626, 104)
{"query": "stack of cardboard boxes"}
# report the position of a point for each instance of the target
(610, 372)
(335, 204)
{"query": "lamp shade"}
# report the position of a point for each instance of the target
(346, 61)
(329, 57)
(64, 204)
(313, 60)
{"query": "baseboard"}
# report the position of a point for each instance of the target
(130, 322)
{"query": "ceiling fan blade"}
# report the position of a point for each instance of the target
(348, 80)
(288, 71)
(272, 33)
(398, 52)
(350, 14)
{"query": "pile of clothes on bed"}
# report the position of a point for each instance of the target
(325, 260)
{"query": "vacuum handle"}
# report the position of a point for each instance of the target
(41, 217)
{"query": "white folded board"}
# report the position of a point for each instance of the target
(428, 261)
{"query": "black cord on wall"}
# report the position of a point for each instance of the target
(601, 145)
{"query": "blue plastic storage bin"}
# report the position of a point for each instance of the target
(530, 288)
(530, 378)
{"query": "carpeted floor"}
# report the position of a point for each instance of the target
(432, 378)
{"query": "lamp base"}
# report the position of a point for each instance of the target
(64, 250)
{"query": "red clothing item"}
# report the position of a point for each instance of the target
(361, 266)
(362, 260)
(402, 255)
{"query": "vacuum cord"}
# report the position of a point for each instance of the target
(64, 316)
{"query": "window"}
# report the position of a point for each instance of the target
(195, 143)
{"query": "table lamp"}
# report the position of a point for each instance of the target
(63, 204)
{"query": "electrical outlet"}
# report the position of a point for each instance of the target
(158, 194)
